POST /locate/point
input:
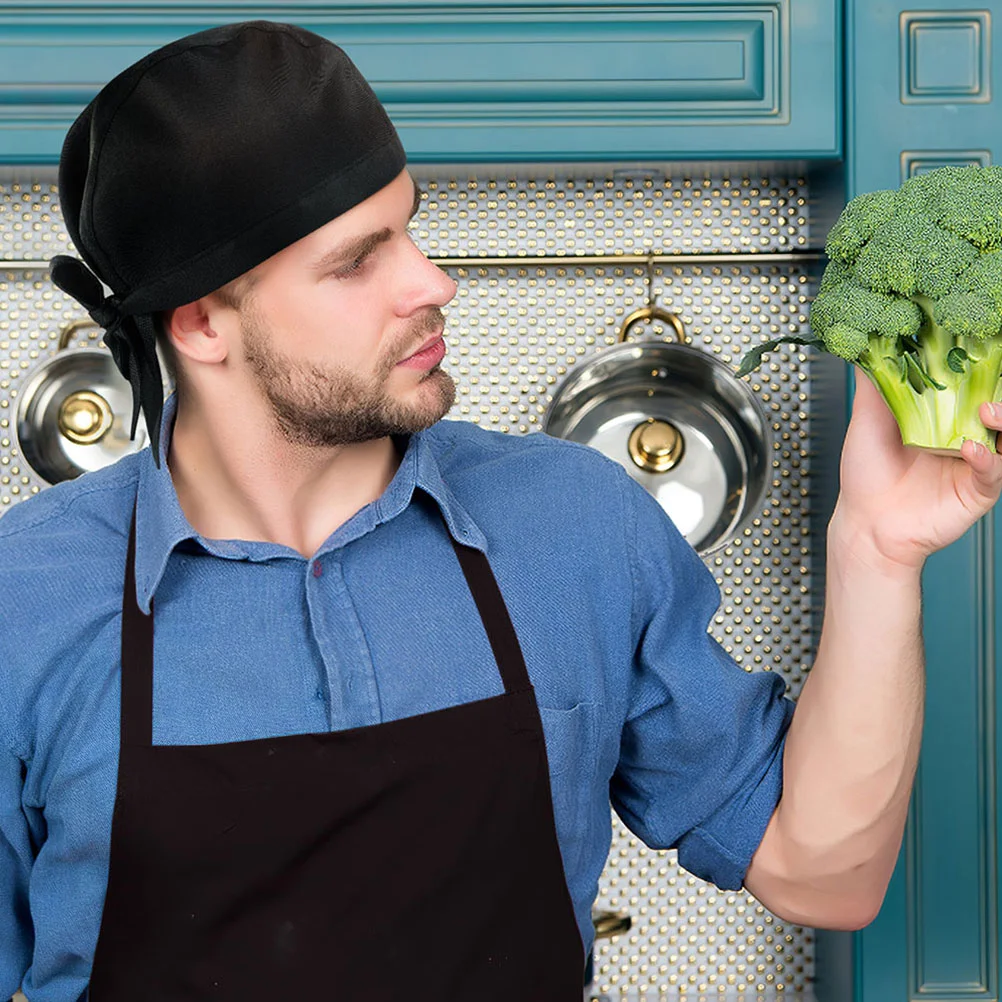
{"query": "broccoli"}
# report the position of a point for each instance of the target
(912, 294)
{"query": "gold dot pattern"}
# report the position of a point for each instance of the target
(513, 333)
(31, 223)
(628, 212)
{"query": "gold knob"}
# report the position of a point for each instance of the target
(656, 446)
(85, 417)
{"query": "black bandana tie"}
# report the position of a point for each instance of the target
(131, 340)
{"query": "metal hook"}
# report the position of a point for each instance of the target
(652, 311)
(67, 333)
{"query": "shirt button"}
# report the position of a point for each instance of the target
(317, 569)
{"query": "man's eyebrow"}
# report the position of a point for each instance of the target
(358, 247)
(351, 250)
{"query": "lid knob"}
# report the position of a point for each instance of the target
(84, 417)
(656, 446)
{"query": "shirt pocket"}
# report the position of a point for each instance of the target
(572, 751)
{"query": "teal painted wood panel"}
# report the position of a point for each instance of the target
(950, 872)
(920, 88)
(936, 936)
(488, 82)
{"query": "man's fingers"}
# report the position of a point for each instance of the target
(985, 482)
(991, 416)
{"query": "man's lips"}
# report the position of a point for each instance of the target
(428, 355)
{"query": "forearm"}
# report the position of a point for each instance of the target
(853, 744)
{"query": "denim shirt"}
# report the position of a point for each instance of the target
(639, 703)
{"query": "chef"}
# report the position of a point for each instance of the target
(324, 697)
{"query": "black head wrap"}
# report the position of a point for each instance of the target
(199, 162)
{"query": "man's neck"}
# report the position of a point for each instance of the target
(236, 477)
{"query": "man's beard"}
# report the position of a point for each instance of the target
(321, 406)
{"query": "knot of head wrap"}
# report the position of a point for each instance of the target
(130, 338)
(107, 313)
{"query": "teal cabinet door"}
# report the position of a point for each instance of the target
(479, 81)
(920, 95)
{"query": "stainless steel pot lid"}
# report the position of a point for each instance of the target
(681, 424)
(75, 412)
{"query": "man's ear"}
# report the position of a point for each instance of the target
(198, 330)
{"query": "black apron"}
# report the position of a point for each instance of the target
(415, 859)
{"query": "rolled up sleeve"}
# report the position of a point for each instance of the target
(700, 765)
(16, 857)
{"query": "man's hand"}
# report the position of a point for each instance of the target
(898, 503)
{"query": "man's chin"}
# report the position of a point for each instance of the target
(422, 405)
(438, 390)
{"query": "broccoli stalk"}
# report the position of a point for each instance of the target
(913, 295)
(981, 385)
(935, 390)
(885, 364)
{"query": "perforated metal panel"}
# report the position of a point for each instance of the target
(514, 331)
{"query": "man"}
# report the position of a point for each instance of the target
(398, 664)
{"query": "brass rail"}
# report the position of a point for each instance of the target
(564, 260)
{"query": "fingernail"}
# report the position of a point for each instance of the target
(996, 410)
(979, 449)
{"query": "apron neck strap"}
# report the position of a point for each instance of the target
(494, 615)
(137, 658)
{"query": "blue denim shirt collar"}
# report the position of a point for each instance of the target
(161, 524)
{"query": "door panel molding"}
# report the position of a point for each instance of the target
(950, 850)
(607, 80)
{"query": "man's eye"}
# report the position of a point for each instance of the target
(347, 271)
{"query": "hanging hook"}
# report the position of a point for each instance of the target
(652, 311)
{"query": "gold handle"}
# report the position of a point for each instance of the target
(610, 924)
(654, 313)
(66, 334)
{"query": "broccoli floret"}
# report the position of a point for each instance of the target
(858, 223)
(966, 201)
(909, 254)
(902, 318)
(968, 314)
(846, 341)
(984, 277)
(835, 274)
(865, 310)
(912, 294)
